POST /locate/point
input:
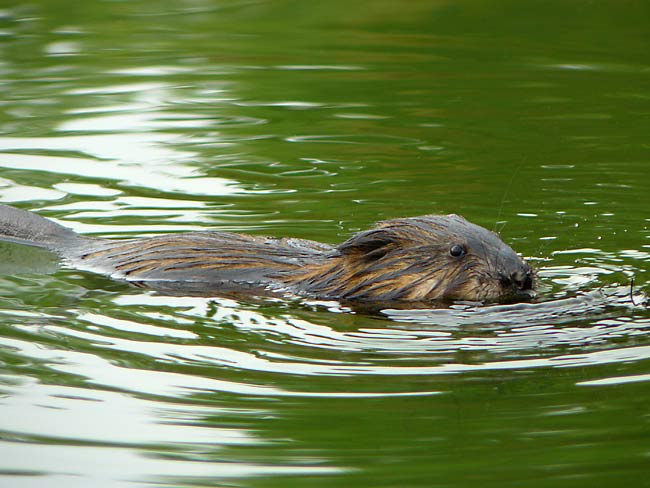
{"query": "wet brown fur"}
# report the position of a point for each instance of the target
(411, 259)
(400, 260)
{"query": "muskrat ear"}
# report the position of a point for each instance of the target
(371, 244)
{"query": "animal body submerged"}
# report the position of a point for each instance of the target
(427, 258)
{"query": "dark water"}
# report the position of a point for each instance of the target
(315, 120)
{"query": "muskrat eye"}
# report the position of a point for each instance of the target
(457, 251)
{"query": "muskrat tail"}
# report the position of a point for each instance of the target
(27, 228)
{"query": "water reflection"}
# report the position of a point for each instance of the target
(41, 410)
(156, 328)
(175, 373)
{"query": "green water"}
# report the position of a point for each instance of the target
(315, 120)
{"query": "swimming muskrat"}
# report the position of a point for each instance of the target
(427, 258)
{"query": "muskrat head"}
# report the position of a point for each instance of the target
(433, 257)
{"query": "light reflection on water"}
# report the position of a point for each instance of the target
(512, 335)
(128, 364)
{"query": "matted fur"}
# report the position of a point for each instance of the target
(408, 259)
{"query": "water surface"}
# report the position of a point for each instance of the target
(285, 118)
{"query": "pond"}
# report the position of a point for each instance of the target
(315, 120)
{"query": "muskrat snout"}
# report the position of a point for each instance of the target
(521, 281)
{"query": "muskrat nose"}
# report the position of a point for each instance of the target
(522, 279)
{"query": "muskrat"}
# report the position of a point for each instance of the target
(427, 258)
